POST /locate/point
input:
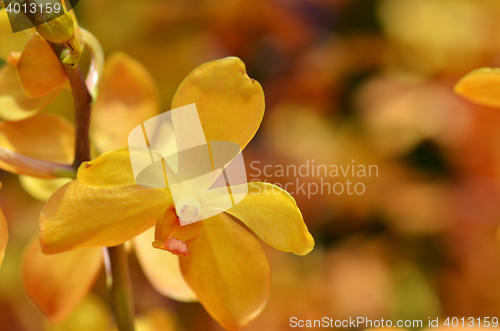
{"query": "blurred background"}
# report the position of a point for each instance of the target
(363, 82)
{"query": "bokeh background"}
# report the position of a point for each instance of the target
(365, 82)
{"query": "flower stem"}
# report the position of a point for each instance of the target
(82, 100)
(120, 287)
(121, 290)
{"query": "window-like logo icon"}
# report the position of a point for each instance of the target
(170, 151)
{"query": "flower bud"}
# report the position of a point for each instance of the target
(54, 28)
(60, 30)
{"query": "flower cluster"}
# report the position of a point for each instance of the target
(217, 261)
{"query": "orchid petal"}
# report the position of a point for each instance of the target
(58, 283)
(162, 269)
(481, 86)
(39, 69)
(79, 216)
(229, 272)
(127, 97)
(230, 104)
(273, 215)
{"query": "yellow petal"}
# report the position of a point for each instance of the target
(229, 272)
(14, 104)
(4, 236)
(230, 104)
(58, 283)
(162, 269)
(481, 86)
(42, 188)
(79, 216)
(165, 224)
(274, 216)
(110, 169)
(127, 97)
(43, 137)
(39, 69)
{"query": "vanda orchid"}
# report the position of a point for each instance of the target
(217, 261)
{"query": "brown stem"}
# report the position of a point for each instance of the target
(82, 100)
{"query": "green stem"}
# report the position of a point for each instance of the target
(120, 287)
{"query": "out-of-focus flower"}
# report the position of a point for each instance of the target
(39, 145)
(57, 283)
(43, 145)
(400, 112)
(127, 97)
(155, 320)
(33, 76)
(428, 38)
(91, 314)
(481, 86)
(226, 266)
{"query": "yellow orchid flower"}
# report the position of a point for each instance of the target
(481, 86)
(39, 75)
(225, 265)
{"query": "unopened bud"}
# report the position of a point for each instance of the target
(60, 30)
(54, 28)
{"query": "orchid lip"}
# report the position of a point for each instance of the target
(188, 209)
